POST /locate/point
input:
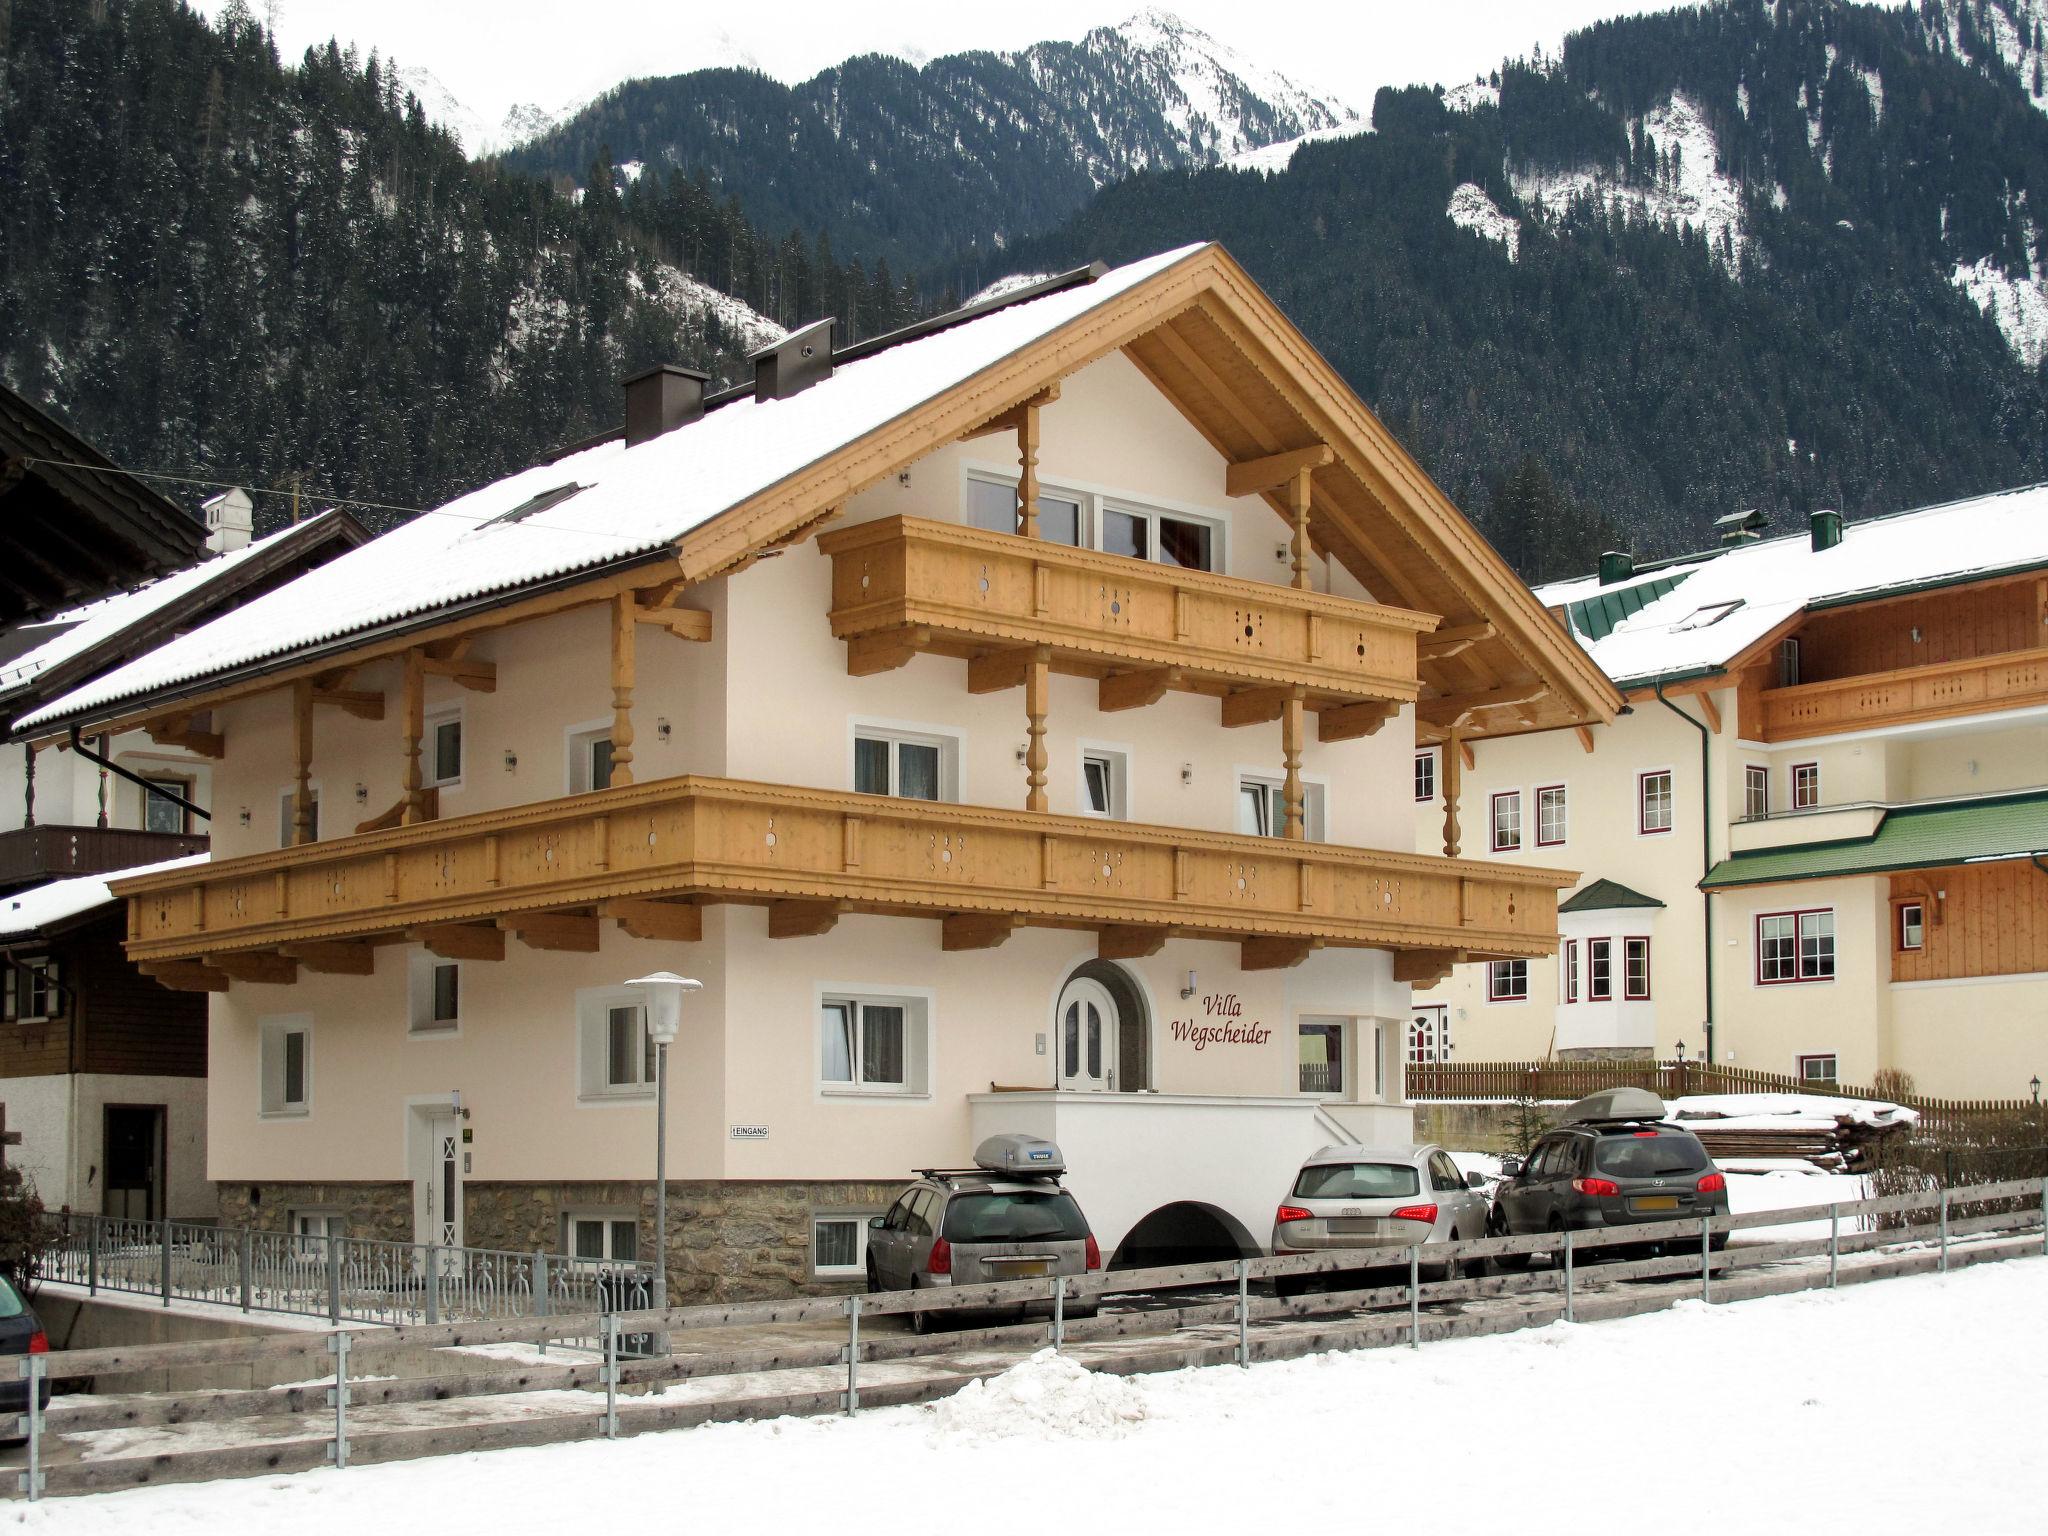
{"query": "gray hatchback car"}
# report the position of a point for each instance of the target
(1007, 1218)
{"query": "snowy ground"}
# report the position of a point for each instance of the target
(1764, 1412)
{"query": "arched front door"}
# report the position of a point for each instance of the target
(1088, 1036)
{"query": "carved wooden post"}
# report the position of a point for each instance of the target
(1027, 479)
(414, 727)
(1037, 699)
(28, 810)
(302, 788)
(1299, 496)
(623, 623)
(1454, 771)
(1293, 725)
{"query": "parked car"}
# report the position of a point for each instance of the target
(1614, 1162)
(1006, 1218)
(1378, 1201)
(21, 1333)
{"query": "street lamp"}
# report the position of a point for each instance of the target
(2037, 1087)
(664, 991)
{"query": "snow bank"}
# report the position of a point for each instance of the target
(1785, 1111)
(1470, 208)
(1048, 1397)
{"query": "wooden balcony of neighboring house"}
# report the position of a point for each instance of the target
(32, 855)
(648, 856)
(903, 587)
(1940, 690)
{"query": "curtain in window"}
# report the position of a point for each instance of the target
(835, 1043)
(917, 768)
(870, 766)
(881, 1044)
(838, 1244)
(589, 1239)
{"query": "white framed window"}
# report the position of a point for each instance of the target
(1818, 1068)
(1912, 925)
(1653, 802)
(873, 1044)
(1756, 791)
(1568, 970)
(1507, 821)
(590, 759)
(1105, 782)
(285, 818)
(161, 815)
(1599, 970)
(312, 1228)
(601, 1237)
(906, 762)
(1167, 538)
(441, 749)
(1552, 820)
(1262, 807)
(617, 1053)
(284, 1048)
(1635, 970)
(434, 994)
(1507, 981)
(1795, 947)
(992, 505)
(1425, 775)
(1805, 786)
(34, 990)
(839, 1244)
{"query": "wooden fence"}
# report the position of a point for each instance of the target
(2006, 1218)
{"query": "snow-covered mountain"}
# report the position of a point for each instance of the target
(525, 120)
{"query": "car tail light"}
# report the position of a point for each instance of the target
(1596, 1186)
(1293, 1213)
(1646, 1135)
(1094, 1253)
(941, 1260)
(39, 1343)
(1415, 1213)
(1713, 1184)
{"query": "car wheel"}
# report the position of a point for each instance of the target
(1497, 1226)
(874, 1280)
(922, 1322)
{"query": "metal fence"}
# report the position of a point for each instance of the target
(354, 1279)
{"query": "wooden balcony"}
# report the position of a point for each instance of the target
(1980, 684)
(904, 586)
(52, 851)
(646, 855)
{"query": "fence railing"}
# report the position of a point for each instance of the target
(1919, 1231)
(1669, 1079)
(343, 1279)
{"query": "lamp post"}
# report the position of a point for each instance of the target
(664, 992)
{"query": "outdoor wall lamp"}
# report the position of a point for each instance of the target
(1187, 773)
(511, 762)
(245, 816)
(1189, 989)
(362, 794)
(661, 728)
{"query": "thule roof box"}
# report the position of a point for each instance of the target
(1015, 1156)
(1615, 1104)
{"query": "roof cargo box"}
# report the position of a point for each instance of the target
(1019, 1155)
(1616, 1104)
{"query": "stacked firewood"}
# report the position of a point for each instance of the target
(1841, 1136)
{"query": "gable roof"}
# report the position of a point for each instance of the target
(753, 474)
(75, 645)
(1606, 896)
(1909, 837)
(1768, 581)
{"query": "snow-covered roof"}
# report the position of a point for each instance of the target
(42, 906)
(82, 629)
(627, 502)
(1731, 599)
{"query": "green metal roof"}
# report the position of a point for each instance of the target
(1595, 616)
(1606, 896)
(1909, 837)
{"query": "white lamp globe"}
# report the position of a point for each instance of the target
(665, 991)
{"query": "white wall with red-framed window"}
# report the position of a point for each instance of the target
(1606, 979)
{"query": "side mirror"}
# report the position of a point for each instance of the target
(876, 1223)
(1475, 1181)
(1510, 1167)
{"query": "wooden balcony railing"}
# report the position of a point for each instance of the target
(901, 586)
(646, 853)
(2013, 680)
(55, 852)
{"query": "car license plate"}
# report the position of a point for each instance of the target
(1024, 1268)
(1654, 1203)
(1354, 1226)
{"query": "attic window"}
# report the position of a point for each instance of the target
(533, 504)
(1713, 613)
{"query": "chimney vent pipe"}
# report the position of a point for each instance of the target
(661, 399)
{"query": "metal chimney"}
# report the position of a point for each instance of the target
(795, 363)
(661, 399)
(1616, 565)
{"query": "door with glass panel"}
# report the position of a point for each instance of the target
(437, 1177)
(1088, 1036)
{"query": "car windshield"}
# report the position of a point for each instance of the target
(1357, 1181)
(10, 1300)
(1015, 1216)
(1640, 1156)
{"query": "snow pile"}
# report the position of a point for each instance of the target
(2018, 306)
(41, 905)
(1786, 1111)
(1003, 287)
(1699, 194)
(1048, 1397)
(1470, 208)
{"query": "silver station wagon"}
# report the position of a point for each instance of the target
(1376, 1200)
(1006, 1218)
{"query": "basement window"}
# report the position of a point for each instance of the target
(839, 1245)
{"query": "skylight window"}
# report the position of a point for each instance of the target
(534, 504)
(1713, 613)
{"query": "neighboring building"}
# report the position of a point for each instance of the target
(102, 1070)
(1842, 735)
(1006, 720)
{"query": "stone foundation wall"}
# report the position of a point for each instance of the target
(1476, 1127)
(381, 1211)
(1607, 1053)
